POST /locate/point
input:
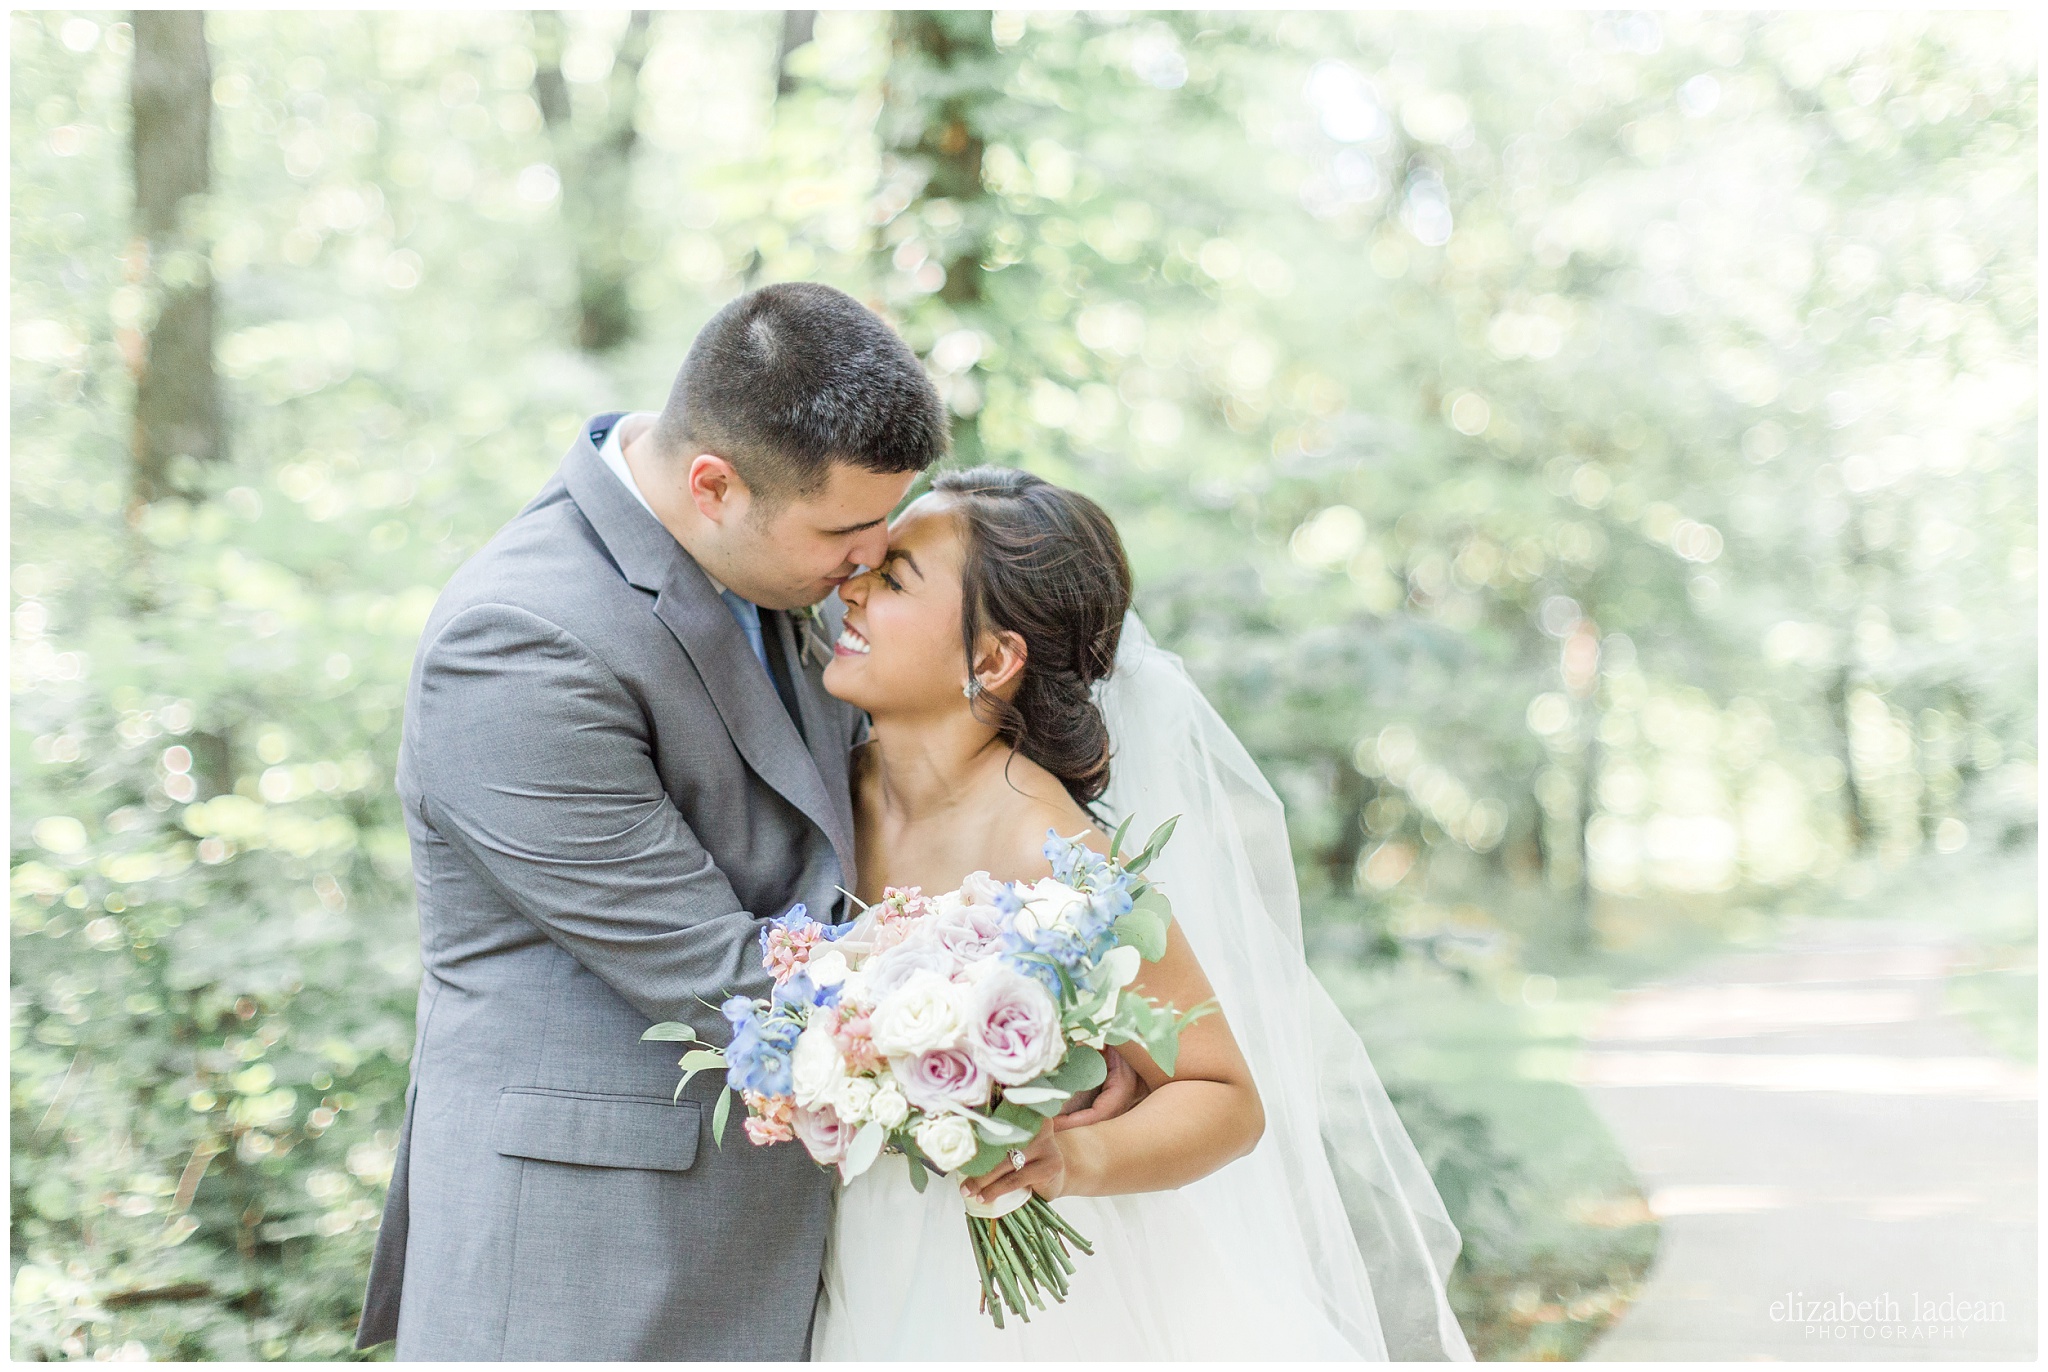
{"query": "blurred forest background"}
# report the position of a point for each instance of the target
(1590, 459)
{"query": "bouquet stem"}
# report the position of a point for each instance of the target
(1022, 1255)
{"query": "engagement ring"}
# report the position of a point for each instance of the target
(1016, 1160)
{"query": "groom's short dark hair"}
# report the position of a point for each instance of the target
(789, 379)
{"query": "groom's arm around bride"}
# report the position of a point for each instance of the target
(617, 761)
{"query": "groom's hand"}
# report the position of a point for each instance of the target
(1120, 1090)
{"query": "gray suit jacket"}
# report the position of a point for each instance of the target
(606, 800)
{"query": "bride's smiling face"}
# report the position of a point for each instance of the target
(901, 649)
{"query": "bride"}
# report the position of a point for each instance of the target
(1263, 1201)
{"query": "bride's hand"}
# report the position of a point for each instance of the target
(1120, 1090)
(1044, 1171)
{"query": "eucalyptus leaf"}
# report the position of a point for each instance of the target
(1154, 900)
(670, 1031)
(1145, 931)
(865, 1148)
(1035, 1095)
(719, 1113)
(1153, 846)
(999, 1131)
(1084, 1069)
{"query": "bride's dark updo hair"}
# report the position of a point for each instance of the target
(1044, 563)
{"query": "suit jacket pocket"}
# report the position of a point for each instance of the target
(591, 1130)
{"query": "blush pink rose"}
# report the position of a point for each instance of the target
(968, 932)
(1013, 1027)
(823, 1134)
(942, 1078)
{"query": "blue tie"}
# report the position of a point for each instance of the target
(749, 616)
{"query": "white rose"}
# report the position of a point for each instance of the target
(890, 971)
(979, 888)
(853, 990)
(854, 1099)
(926, 1012)
(827, 968)
(887, 1107)
(1047, 905)
(815, 1067)
(948, 1140)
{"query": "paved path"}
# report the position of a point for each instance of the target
(1811, 1128)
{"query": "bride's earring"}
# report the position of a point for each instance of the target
(972, 688)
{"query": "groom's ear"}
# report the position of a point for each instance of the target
(1001, 660)
(716, 488)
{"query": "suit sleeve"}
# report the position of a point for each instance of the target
(534, 764)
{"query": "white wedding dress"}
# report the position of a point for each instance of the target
(1327, 1242)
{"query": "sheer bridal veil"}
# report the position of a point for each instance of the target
(1335, 1192)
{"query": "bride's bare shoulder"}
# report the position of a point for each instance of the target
(1027, 835)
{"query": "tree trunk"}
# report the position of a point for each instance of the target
(1852, 794)
(1582, 930)
(597, 178)
(798, 26)
(177, 396)
(943, 76)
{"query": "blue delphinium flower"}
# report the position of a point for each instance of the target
(1060, 853)
(1098, 920)
(797, 919)
(795, 991)
(746, 1037)
(764, 1070)
(757, 1059)
(779, 1031)
(1031, 955)
(1039, 973)
(800, 991)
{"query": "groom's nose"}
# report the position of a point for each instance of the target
(869, 546)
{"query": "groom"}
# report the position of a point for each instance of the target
(618, 762)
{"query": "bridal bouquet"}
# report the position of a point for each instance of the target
(948, 1029)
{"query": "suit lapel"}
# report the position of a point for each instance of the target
(684, 601)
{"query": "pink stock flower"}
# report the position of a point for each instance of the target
(909, 902)
(897, 913)
(823, 1134)
(786, 950)
(941, 1078)
(770, 1119)
(855, 1044)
